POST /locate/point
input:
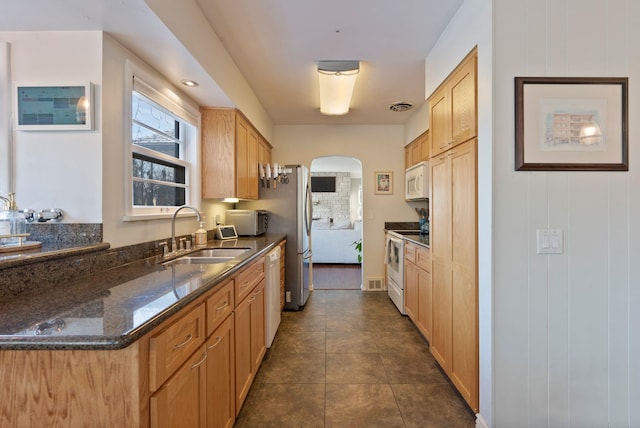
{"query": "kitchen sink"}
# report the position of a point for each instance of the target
(199, 260)
(209, 256)
(218, 252)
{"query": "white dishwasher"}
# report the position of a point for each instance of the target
(272, 290)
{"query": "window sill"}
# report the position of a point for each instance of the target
(158, 216)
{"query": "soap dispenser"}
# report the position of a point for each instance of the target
(12, 222)
(201, 236)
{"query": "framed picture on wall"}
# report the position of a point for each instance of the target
(571, 124)
(53, 107)
(383, 183)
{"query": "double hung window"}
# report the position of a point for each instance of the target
(163, 143)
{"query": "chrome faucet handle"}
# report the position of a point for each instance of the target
(165, 248)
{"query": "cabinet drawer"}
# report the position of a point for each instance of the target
(248, 279)
(220, 305)
(423, 258)
(170, 348)
(409, 252)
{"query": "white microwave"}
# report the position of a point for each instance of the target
(416, 182)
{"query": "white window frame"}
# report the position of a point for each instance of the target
(157, 89)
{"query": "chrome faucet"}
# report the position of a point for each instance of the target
(174, 246)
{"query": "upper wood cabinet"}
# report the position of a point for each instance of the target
(417, 150)
(231, 151)
(452, 108)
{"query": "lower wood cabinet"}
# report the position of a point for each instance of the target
(250, 344)
(193, 370)
(418, 287)
(221, 382)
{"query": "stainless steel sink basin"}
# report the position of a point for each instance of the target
(209, 256)
(199, 260)
(218, 252)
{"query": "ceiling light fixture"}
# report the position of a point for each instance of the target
(189, 83)
(337, 80)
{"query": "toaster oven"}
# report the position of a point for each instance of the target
(248, 222)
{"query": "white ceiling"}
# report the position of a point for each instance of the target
(276, 44)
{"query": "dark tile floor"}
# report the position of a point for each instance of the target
(349, 359)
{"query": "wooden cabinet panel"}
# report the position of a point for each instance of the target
(220, 305)
(440, 116)
(417, 151)
(181, 401)
(453, 239)
(258, 339)
(411, 290)
(220, 385)
(425, 303)
(243, 358)
(231, 150)
(250, 341)
(170, 348)
(417, 287)
(248, 279)
(463, 102)
(453, 108)
(218, 152)
(441, 340)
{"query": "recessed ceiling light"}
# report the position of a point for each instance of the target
(400, 106)
(189, 83)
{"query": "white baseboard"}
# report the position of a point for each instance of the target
(480, 422)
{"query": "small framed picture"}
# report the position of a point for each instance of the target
(383, 183)
(52, 107)
(571, 124)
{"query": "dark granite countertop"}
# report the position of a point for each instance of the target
(115, 307)
(47, 252)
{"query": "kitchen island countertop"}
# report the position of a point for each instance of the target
(113, 308)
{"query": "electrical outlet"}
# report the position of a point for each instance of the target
(288, 297)
(549, 241)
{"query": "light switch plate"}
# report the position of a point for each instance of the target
(549, 241)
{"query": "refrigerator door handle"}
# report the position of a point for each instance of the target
(309, 209)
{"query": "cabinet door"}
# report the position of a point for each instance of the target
(180, 402)
(440, 240)
(424, 321)
(218, 149)
(440, 114)
(464, 367)
(252, 164)
(463, 103)
(220, 395)
(411, 290)
(258, 339)
(242, 151)
(243, 358)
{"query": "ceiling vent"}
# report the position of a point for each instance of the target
(400, 106)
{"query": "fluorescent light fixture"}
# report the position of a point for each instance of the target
(337, 80)
(231, 200)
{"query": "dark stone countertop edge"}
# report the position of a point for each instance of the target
(50, 343)
(8, 260)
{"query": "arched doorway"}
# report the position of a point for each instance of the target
(336, 235)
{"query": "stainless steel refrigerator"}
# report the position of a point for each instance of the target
(290, 212)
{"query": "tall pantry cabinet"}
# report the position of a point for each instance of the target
(453, 228)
